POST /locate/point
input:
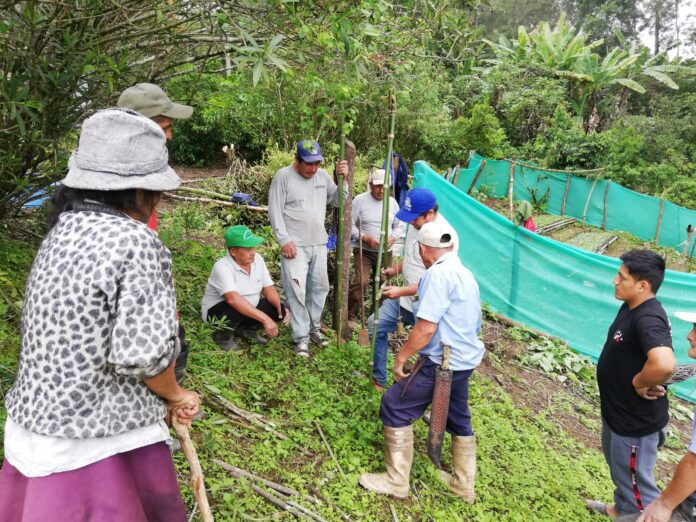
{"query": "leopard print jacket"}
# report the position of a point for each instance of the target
(99, 316)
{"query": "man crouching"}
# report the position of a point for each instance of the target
(448, 312)
(234, 292)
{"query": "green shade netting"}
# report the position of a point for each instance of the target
(626, 209)
(552, 287)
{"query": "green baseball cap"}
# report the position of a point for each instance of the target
(150, 100)
(241, 236)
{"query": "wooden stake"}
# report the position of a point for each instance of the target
(606, 192)
(565, 195)
(511, 186)
(455, 174)
(197, 480)
(659, 222)
(476, 177)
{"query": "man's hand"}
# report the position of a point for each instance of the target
(656, 512)
(391, 292)
(342, 168)
(270, 327)
(399, 369)
(288, 250)
(391, 240)
(388, 272)
(370, 242)
(286, 319)
(657, 391)
(649, 393)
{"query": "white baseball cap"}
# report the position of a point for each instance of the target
(435, 235)
(689, 317)
(376, 177)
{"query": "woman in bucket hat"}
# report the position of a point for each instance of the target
(85, 437)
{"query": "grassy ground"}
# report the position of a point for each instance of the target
(534, 408)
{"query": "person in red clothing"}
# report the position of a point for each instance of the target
(150, 100)
(524, 216)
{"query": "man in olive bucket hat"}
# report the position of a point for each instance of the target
(151, 101)
(241, 290)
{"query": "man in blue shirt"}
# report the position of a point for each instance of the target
(448, 312)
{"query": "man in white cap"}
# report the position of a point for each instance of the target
(677, 503)
(447, 313)
(367, 225)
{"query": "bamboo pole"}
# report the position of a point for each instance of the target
(606, 193)
(659, 222)
(477, 176)
(511, 187)
(339, 239)
(214, 201)
(565, 195)
(385, 221)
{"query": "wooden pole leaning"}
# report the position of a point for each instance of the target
(511, 188)
(383, 244)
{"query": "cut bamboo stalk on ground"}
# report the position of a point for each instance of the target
(556, 225)
(331, 453)
(214, 202)
(254, 418)
(197, 479)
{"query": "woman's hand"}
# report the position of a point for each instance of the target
(184, 407)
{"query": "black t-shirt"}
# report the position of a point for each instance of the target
(631, 336)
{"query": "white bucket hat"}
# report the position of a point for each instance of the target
(121, 149)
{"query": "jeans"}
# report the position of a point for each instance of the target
(388, 317)
(306, 284)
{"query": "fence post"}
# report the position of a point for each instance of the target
(587, 203)
(565, 194)
(659, 222)
(511, 186)
(606, 192)
(455, 176)
(476, 177)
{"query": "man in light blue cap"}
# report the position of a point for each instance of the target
(297, 202)
(420, 207)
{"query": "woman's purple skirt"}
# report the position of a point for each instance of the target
(136, 486)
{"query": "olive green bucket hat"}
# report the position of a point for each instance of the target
(241, 236)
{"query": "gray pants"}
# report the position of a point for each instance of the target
(306, 285)
(684, 512)
(631, 463)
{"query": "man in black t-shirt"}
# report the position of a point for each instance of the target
(637, 355)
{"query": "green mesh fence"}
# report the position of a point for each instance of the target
(598, 202)
(555, 288)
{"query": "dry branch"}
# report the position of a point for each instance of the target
(254, 418)
(328, 447)
(197, 480)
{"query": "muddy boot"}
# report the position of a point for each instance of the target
(464, 467)
(253, 336)
(225, 340)
(398, 449)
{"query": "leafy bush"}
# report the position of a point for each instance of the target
(481, 132)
